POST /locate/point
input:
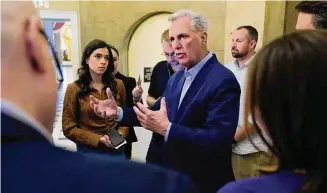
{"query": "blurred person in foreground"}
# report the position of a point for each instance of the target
(30, 162)
(312, 15)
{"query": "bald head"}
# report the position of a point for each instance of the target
(13, 16)
(11, 8)
(28, 78)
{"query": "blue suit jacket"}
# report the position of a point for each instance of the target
(31, 164)
(200, 138)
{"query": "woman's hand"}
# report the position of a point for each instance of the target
(105, 140)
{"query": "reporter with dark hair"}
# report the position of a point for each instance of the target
(80, 123)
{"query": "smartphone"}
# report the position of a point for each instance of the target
(116, 139)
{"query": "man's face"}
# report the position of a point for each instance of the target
(304, 21)
(240, 43)
(185, 42)
(168, 51)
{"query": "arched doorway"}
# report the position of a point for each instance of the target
(145, 52)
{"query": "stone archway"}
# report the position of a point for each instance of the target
(128, 36)
(144, 50)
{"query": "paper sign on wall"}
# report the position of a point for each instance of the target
(147, 74)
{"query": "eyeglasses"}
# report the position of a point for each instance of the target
(172, 55)
(60, 77)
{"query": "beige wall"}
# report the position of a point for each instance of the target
(290, 16)
(116, 21)
(111, 20)
(274, 20)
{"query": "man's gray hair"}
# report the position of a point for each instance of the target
(198, 21)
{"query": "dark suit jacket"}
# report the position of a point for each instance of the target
(200, 138)
(130, 84)
(31, 164)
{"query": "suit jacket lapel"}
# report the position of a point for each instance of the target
(177, 85)
(195, 86)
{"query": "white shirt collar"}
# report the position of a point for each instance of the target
(245, 64)
(15, 112)
(196, 69)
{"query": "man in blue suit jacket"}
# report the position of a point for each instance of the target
(196, 120)
(30, 162)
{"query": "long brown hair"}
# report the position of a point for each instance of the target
(287, 85)
(84, 76)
